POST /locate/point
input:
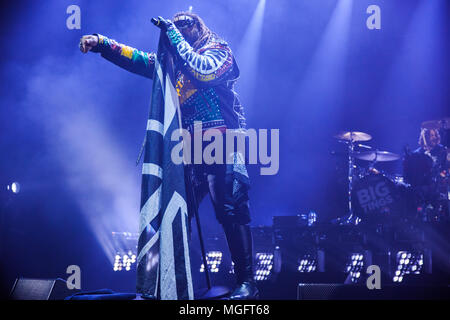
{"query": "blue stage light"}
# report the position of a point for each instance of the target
(124, 261)
(407, 263)
(125, 246)
(264, 266)
(307, 263)
(355, 267)
(213, 259)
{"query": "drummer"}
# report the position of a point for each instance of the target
(430, 144)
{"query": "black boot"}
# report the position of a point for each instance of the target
(239, 239)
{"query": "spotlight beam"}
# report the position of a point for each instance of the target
(323, 80)
(248, 54)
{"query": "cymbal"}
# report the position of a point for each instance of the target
(436, 124)
(379, 156)
(353, 136)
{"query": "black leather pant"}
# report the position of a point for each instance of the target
(228, 191)
(229, 194)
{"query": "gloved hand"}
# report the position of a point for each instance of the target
(174, 36)
(162, 23)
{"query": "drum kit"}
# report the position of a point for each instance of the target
(377, 196)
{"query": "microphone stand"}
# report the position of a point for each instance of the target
(211, 292)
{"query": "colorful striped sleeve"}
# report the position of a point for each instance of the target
(211, 64)
(129, 58)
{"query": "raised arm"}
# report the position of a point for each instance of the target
(129, 58)
(212, 64)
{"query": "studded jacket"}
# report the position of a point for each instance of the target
(204, 78)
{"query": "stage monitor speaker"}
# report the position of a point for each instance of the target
(309, 291)
(40, 289)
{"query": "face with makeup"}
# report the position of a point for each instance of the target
(188, 27)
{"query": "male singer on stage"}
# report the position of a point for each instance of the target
(205, 75)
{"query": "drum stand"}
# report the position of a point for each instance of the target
(350, 217)
(350, 138)
(351, 160)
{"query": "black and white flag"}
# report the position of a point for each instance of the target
(163, 265)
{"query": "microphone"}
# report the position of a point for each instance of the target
(156, 21)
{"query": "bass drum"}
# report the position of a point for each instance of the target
(418, 169)
(377, 198)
